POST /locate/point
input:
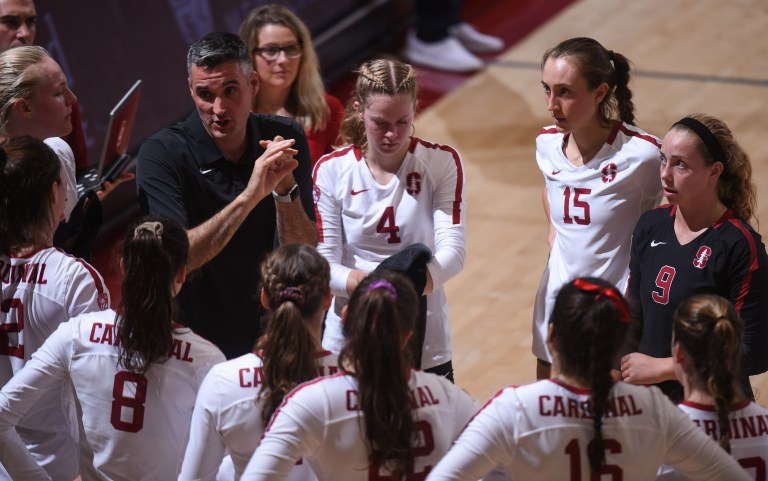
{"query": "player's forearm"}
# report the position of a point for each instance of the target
(15, 457)
(293, 225)
(210, 237)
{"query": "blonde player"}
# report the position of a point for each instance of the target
(580, 425)
(135, 373)
(238, 397)
(378, 419)
(41, 288)
(387, 190)
(706, 353)
(600, 171)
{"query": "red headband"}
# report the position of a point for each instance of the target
(609, 292)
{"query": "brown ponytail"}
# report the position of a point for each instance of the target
(295, 279)
(381, 314)
(708, 329)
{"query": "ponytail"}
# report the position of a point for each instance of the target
(590, 312)
(154, 252)
(381, 314)
(295, 280)
(709, 330)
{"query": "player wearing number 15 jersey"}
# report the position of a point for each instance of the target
(135, 374)
(378, 419)
(386, 191)
(580, 425)
(600, 172)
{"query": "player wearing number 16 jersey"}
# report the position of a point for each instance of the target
(134, 374)
(580, 425)
(378, 419)
(41, 288)
(384, 192)
(700, 243)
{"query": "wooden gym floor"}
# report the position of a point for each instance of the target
(690, 55)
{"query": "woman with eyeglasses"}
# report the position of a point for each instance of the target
(289, 78)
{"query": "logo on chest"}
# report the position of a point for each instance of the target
(702, 257)
(609, 172)
(413, 183)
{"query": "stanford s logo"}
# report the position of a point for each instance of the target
(609, 172)
(413, 183)
(702, 257)
(315, 193)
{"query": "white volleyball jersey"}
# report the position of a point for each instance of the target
(227, 418)
(749, 436)
(361, 222)
(594, 209)
(320, 421)
(39, 292)
(542, 431)
(135, 424)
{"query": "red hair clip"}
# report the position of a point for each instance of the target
(609, 292)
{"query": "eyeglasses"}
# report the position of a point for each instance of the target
(272, 53)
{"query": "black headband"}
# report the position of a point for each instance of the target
(706, 136)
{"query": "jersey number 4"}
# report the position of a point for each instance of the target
(123, 404)
(11, 323)
(577, 204)
(387, 225)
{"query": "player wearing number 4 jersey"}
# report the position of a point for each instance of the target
(41, 288)
(135, 374)
(700, 243)
(384, 192)
(581, 425)
(238, 397)
(600, 172)
(378, 419)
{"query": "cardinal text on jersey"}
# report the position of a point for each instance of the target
(623, 405)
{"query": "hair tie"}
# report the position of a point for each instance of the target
(706, 136)
(611, 55)
(597, 424)
(294, 294)
(155, 228)
(383, 284)
(611, 293)
(3, 157)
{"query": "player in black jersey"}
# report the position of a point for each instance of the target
(701, 242)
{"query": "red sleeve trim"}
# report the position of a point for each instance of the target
(646, 137)
(746, 281)
(458, 192)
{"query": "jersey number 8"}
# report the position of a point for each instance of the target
(121, 401)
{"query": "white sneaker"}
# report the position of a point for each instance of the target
(447, 54)
(475, 41)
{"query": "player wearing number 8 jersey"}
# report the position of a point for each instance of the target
(134, 373)
(385, 191)
(378, 419)
(700, 243)
(600, 173)
(580, 425)
(41, 288)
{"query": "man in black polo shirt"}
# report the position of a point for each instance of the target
(211, 173)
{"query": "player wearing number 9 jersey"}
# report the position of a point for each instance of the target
(580, 425)
(387, 190)
(41, 288)
(238, 397)
(378, 419)
(706, 355)
(600, 172)
(134, 373)
(700, 243)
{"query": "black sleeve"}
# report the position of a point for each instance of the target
(748, 279)
(632, 295)
(303, 173)
(159, 182)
